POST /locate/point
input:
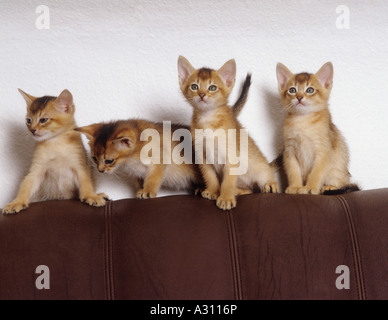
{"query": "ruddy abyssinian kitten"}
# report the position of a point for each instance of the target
(59, 168)
(117, 144)
(315, 156)
(207, 91)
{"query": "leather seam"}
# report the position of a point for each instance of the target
(231, 254)
(356, 253)
(109, 287)
(237, 258)
(234, 257)
(106, 255)
(111, 252)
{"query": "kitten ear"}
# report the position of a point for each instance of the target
(88, 131)
(123, 143)
(228, 72)
(64, 102)
(282, 74)
(185, 69)
(28, 98)
(325, 75)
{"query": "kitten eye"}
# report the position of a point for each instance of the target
(213, 88)
(43, 120)
(94, 159)
(292, 90)
(310, 90)
(29, 121)
(194, 87)
(109, 161)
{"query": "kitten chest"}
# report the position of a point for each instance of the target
(136, 167)
(306, 140)
(210, 139)
(60, 180)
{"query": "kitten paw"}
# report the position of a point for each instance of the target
(14, 207)
(292, 189)
(97, 200)
(104, 196)
(240, 192)
(143, 194)
(226, 203)
(198, 191)
(271, 187)
(207, 194)
(308, 190)
(329, 188)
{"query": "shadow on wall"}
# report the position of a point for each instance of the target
(276, 115)
(20, 150)
(167, 109)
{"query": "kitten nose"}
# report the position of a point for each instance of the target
(299, 98)
(33, 131)
(201, 95)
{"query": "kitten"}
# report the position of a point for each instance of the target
(207, 91)
(315, 156)
(59, 167)
(118, 144)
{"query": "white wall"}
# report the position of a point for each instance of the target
(118, 58)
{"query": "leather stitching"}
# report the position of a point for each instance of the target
(360, 281)
(237, 258)
(112, 287)
(231, 254)
(108, 265)
(234, 257)
(106, 255)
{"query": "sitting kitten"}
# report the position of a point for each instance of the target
(59, 167)
(315, 156)
(118, 143)
(207, 91)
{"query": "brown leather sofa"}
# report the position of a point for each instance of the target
(183, 247)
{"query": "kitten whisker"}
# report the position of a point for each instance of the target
(115, 175)
(288, 106)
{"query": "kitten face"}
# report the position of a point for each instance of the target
(206, 88)
(106, 158)
(110, 145)
(305, 93)
(49, 116)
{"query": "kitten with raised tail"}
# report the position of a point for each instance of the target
(315, 157)
(59, 168)
(207, 91)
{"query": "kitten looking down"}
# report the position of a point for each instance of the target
(118, 144)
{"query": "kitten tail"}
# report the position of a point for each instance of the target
(278, 162)
(346, 189)
(239, 105)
